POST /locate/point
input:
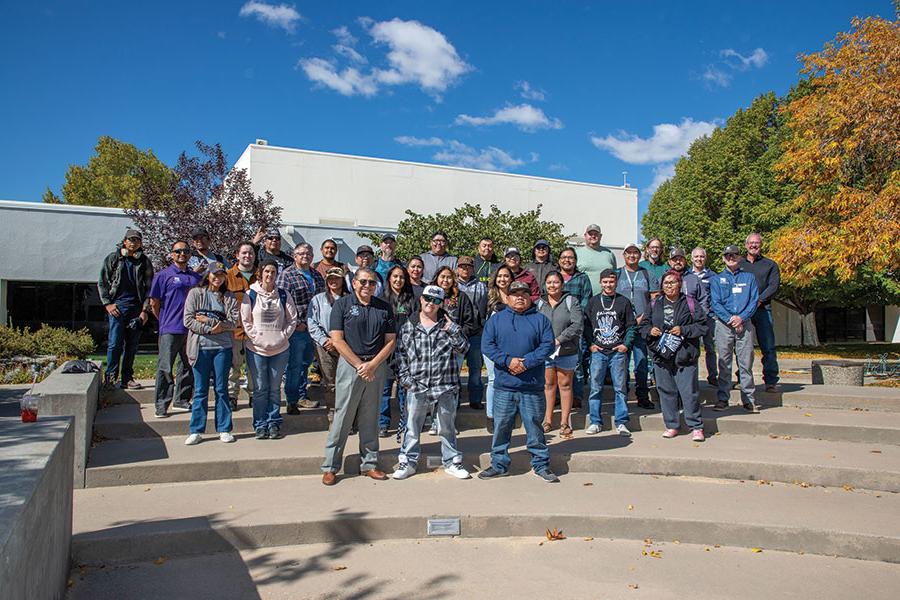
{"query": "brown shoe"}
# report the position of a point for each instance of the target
(375, 474)
(329, 478)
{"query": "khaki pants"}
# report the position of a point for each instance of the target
(327, 370)
(238, 360)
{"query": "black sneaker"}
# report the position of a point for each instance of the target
(262, 433)
(292, 409)
(646, 404)
(491, 472)
(713, 381)
(233, 403)
(720, 406)
(751, 407)
(383, 432)
(476, 405)
(161, 415)
(181, 406)
(274, 432)
(547, 475)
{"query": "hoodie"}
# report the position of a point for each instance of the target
(527, 335)
(267, 324)
(567, 321)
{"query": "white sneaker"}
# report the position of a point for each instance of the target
(623, 431)
(434, 428)
(226, 437)
(457, 471)
(403, 471)
(592, 429)
(192, 440)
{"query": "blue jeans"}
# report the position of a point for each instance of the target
(474, 359)
(616, 364)
(584, 365)
(765, 337)
(266, 373)
(122, 344)
(489, 394)
(300, 357)
(639, 353)
(531, 406)
(384, 417)
(219, 362)
(444, 407)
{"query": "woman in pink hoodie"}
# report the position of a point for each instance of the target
(269, 317)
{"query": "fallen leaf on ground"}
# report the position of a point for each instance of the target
(338, 568)
(706, 549)
(763, 482)
(875, 451)
(70, 583)
(587, 484)
(847, 488)
(631, 507)
(160, 560)
(633, 586)
(676, 542)
(807, 414)
(556, 534)
(648, 541)
(588, 539)
(540, 543)
(756, 550)
(146, 489)
(802, 484)
(773, 436)
(717, 546)
(654, 554)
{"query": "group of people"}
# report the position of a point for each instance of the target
(539, 328)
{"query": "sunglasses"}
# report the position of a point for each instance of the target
(365, 282)
(272, 238)
(181, 251)
(432, 299)
(134, 239)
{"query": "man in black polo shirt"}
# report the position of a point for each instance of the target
(363, 332)
(768, 280)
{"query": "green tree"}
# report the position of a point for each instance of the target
(467, 224)
(112, 177)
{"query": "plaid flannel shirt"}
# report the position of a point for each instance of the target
(427, 359)
(294, 283)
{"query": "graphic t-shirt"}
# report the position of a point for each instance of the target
(668, 313)
(612, 320)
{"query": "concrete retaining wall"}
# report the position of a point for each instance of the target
(36, 465)
(76, 395)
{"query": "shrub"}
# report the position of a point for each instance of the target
(58, 341)
(16, 342)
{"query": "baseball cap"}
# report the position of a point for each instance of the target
(512, 250)
(519, 286)
(388, 236)
(273, 231)
(434, 291)
(216, 267)
(465, 260)
(364, 248)
(542, 243)
(631, 247)
(608, 273)
(676, 251)
(334, 272)
(199, 232)
(593, 227)
(732, 249)
(130, 233)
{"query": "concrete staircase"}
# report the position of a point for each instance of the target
(816, 472)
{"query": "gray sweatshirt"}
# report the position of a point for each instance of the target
(567, 320)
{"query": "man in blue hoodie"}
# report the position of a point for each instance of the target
(517, 340)
(734, 296)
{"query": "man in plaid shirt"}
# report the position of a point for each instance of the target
(427, 347)
(302, 282)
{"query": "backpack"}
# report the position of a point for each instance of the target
(282, 295)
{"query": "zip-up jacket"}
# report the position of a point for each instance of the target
(464, 314)
(733, 294)
(693, 327)
(767, 274)
(704, 276)
(693, 287)
(426, 359)
(527, 335)
(484, 269)
(318, 317)
(111, 277)
(477, 293)
(567, 321)
(540, 270)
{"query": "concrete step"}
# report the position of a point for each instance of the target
(133, 523)
(391, 569)
(128, 421)
(806, 462)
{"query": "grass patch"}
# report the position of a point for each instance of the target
(144, 364)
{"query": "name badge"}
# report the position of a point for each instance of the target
(737, 289)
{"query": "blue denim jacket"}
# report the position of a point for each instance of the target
(727, 302)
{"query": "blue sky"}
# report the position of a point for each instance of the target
(573, 90)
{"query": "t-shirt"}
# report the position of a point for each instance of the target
(636, 286)
(171, 286)
(657, 270)
(612, 320)
(668, 313)
(127, 293)
(593, 262)
(364, 326)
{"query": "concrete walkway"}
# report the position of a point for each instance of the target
(528, 567)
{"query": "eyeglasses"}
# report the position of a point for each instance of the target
(438, 241)
(567, 257)
(303, 253)
(181, 251)
(365, 282)
(432, 299)
(670, 283)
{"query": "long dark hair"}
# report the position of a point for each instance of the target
(455, 289)
(494, 291)
(204, 283)
(406, 292)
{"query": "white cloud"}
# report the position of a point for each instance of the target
(558, 167)
(417, 54)
(661, 174)
(668, 142)
(408, 140)
(348, 82)
(220, 35)
(758, 58)
(530, 93)
(280, 15)
(345, 45)
(491, 158)
(524, 116)
(717, 76)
